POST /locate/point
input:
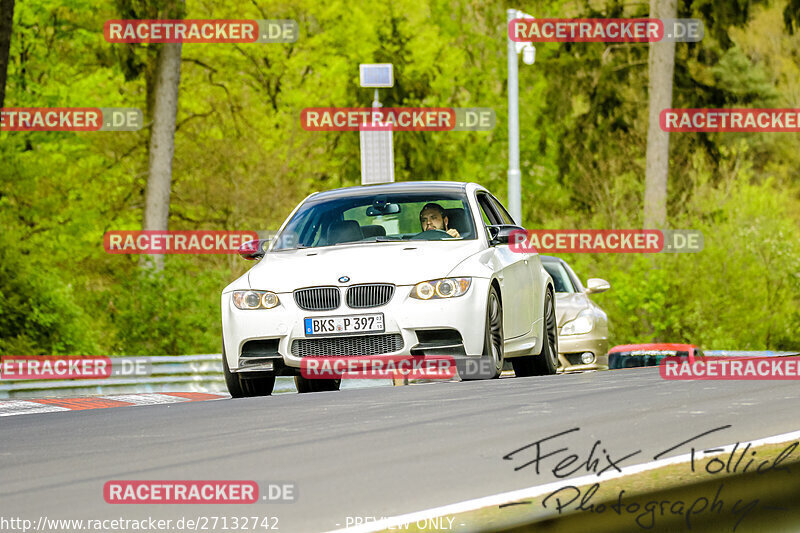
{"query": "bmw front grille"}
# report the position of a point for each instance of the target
(318, 298)
(369, 295)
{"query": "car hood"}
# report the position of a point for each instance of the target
(568, 305)
(402, 263)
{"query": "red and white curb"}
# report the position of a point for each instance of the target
(52, 405)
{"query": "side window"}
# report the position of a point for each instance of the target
(501, 211)
(485, 218)
(490, 218)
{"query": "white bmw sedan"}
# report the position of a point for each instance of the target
(412, 268)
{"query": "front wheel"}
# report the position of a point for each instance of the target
(256, 384)
(493, 341)
(231, 379)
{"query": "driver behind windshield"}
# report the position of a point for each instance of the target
(433, 217)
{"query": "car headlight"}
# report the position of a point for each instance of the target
(255, 299)
(441, 288)
(583, 323)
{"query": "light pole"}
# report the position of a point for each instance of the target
(514, 174)
(377, 144)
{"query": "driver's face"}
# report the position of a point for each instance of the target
(431, 219)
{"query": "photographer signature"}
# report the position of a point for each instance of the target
(544, 456)
(552, 454)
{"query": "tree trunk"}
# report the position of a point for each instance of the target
(6, 22)
(661, 68)
(162, 142)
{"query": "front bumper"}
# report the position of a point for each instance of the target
(281, 326)
(571, 346)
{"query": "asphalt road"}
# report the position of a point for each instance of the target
(374, 451)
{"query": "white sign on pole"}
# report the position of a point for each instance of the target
(376, 75)
(377, 155)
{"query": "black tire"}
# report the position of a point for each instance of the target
(546, 363)
(523, 366)
(256, 384)
(231, 379)
(316, 385)
(493, 340)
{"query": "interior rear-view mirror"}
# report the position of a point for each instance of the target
(383, 209)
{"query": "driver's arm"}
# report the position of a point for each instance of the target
(453, 232)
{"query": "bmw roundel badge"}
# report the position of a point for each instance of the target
(344, 279)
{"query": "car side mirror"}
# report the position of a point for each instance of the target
(501, 233)
(255, 249)
(595, 285)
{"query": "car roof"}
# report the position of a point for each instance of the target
(667, 347)
(386, 188)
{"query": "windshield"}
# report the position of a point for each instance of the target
(560, 277)
(378, 218)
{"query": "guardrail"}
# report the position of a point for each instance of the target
(193, 373)
(170, 373)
